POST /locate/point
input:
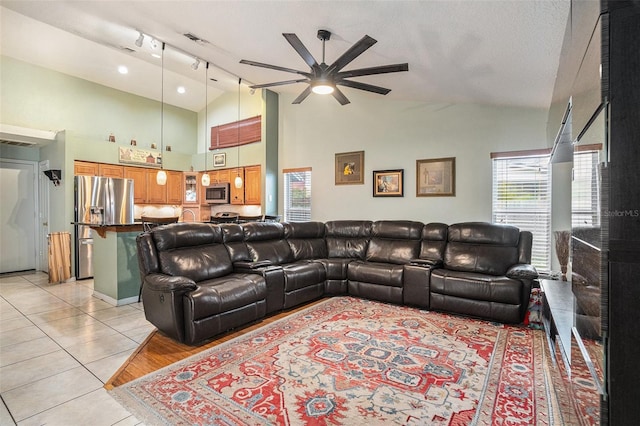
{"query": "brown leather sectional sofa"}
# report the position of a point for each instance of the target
(201, 279)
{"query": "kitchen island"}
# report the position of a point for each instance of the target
(116, 276)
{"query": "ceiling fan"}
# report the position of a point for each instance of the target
(323, 78)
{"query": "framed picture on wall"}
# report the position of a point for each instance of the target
(436, 177)
(388, 183)
(350, 168)
(219, 160)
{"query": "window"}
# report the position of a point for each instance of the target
(585, 191)
(522, 198)
(297, 194)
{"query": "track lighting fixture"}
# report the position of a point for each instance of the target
(195, 65)
(140, 40)
(154, 43)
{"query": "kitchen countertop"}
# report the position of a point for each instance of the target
(102, 228)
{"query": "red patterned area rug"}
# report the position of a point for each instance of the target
(353, 361)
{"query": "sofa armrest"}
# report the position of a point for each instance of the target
(426, 263)
(522, 271)
(168, 283)
(246, 265)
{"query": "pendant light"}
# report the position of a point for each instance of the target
(161, 177)
(206, 179)
(238, 180)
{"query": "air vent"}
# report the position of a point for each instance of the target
(23, 137)
(195, 38)
(14, 143)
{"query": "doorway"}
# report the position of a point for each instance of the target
(18, 219)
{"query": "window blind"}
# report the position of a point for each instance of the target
(297, 195)
(522, 197)
(585, 191)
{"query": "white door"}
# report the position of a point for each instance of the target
(17, 216)
(43, 217)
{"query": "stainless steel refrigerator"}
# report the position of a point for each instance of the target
(98, 201)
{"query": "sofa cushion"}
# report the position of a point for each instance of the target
(375, 273)
(225, 294)
(434, 241)
(394, 241)
(303, 274)
(347, 238)
(481, 247)
(197, 263)
(265, 242)
(306, 240)
(474, 286)
(185, 234)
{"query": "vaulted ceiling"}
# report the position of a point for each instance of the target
(489, 52)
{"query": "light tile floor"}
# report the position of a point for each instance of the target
(58, 346)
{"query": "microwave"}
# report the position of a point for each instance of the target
(217, 193)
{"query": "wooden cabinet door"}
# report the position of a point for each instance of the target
(139, 176)
(174, 187)
(237, 194)
(85, 168)
(205, 213)
(111, 170)
(156, 194)
(220, 176)
(252, 178)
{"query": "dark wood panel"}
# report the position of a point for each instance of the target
(237, 133)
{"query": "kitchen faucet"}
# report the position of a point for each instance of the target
(190, 211)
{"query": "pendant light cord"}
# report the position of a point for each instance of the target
(162, 109)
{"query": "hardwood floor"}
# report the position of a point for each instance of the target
(159, 351)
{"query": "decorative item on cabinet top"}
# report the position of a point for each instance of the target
(140, 156)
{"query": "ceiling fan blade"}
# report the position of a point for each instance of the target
(373, 70)
(274, 67)
(278, 83)
(363, 86)
(353, 52)
(295, 42)
(340, 97)
(302, 95)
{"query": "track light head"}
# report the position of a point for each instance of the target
(154, 43)
(196, 64)
(140, 39)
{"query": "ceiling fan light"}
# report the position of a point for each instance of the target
(322, 89)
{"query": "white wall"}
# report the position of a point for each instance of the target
(394, 135)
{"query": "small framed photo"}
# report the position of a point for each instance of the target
(436, 177)
(388, 183)
(350, 168)
(219, 160)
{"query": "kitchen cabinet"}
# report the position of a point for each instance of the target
(205, 213)
(110, 170)
(237, 194)
(174, 187)
(192, 188)
(252, 178)
(85, 168)
(220, 176)
(139, 176)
